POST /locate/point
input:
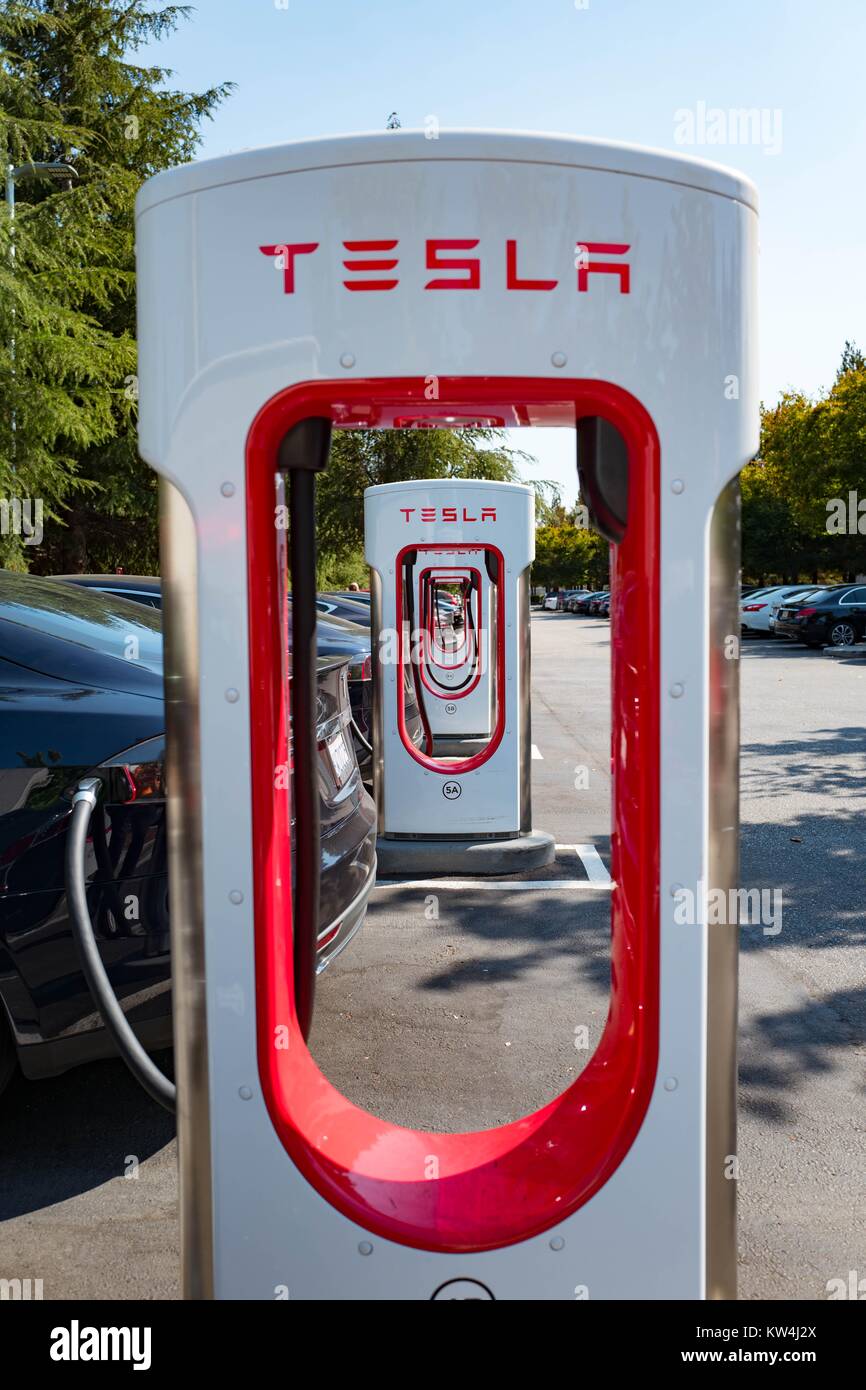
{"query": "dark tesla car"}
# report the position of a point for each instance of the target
(336, 635)
(835, 617)
(141, 588)
(81, 693)
(338, 606)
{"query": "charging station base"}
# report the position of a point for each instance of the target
(438, 858)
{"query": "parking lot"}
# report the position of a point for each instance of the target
(459, 1007)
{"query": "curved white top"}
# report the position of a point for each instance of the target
(396, 146)
(435, 484)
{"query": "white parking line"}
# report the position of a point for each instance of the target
(593, 863)
(537, 754)
(597, 877)
(498, 885)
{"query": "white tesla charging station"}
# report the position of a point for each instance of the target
(442, 806)
(372, 282)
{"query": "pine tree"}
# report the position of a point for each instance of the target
(70, 91)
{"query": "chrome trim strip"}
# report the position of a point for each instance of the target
(723, 872)
(377, 740)
(178, 546)
(525, 711)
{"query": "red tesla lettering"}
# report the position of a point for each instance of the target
(428, 513)
(407, 512)
(471, 264)
(468, 518)
(513, 281)
(488, 513)
(287, 256)
(375, 263)
(449, 513)
(585, 267)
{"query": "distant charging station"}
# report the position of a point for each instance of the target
(461, 800)
(383, 281)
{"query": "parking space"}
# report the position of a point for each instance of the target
(461, 1006)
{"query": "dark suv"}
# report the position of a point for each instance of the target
(834, 617)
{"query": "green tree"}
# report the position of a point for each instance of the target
(811, 466)
(568, 553)
(366, 458)
(70, 90)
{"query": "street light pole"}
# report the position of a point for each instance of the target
(54, 168)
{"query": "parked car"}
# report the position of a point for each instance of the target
(141, 588)
(776, 602)
(604, 607)
(573, 597)
(75, 704)
(335, 636)
(757, 608)
(336, 606)
(551, 603)
(581, 605)
(596, 601)
(834, 616)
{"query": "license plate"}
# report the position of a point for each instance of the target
(341, 757)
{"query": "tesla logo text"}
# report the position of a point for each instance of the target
(372, 265)
(447, 513)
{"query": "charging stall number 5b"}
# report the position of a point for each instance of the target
(375, 282)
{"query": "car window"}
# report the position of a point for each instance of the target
(818, 595)
(88, 617)
(854, 596)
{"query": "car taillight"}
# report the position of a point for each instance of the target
(753, 607)
(136, 774)
(361, 670)
(805, 612)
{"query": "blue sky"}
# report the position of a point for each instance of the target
(615, 69)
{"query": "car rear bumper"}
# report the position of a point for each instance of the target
(334, 938)
(801, 632)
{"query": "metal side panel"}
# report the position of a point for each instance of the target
(525, 708)
(178, 546)
(377, 740)
(723, 873)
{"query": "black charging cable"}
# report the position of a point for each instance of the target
(143, 1068)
